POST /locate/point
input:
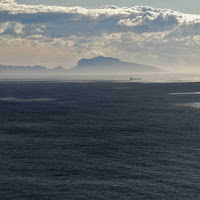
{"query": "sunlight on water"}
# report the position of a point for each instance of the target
(13, 99)
(191, 105)
(184, 93)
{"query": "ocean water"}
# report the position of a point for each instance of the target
(99, 140)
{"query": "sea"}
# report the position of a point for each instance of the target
(99, 140)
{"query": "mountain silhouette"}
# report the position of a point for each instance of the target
(102, 64)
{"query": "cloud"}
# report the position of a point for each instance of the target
(65, 21)
(142, 33)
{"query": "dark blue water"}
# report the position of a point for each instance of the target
(99, 140)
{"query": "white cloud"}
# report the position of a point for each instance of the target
(64, 21)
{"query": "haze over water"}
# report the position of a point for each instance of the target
(158, 77)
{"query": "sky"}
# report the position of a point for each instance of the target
(187, 6)
(165, 34)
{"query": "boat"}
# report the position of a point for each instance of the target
(135, 79)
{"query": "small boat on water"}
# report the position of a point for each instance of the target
(135, 79)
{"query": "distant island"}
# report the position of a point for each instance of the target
(102, 64)
(28, 69)
(98, 64)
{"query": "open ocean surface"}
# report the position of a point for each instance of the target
(99, 141)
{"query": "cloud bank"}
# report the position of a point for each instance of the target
(143, 34)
